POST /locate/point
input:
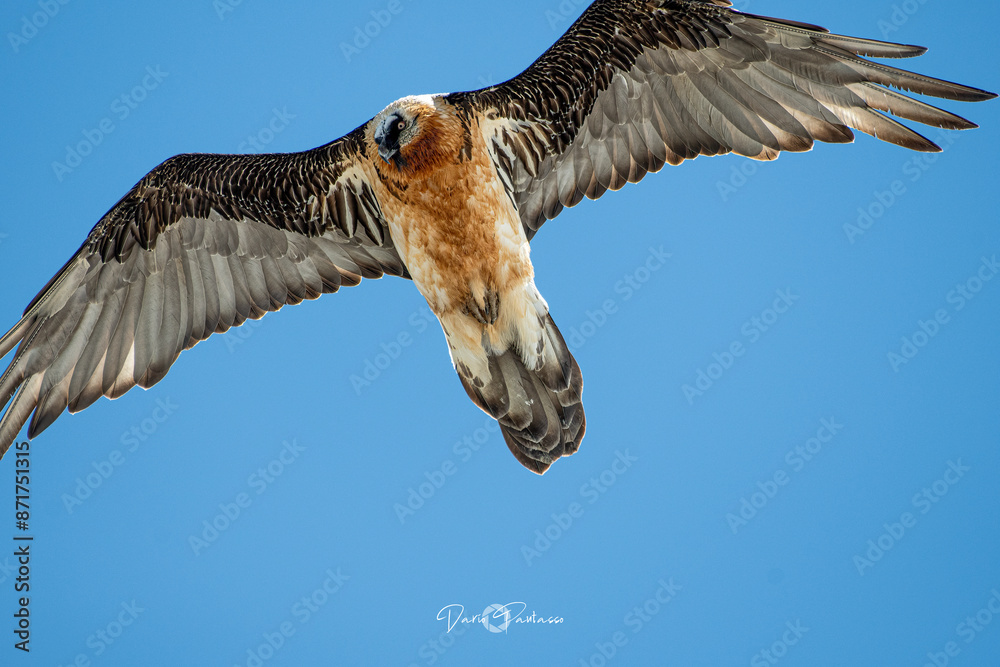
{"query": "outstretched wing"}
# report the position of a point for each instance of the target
(636, 84)
(199, 245)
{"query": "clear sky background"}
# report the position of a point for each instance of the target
(657, 557)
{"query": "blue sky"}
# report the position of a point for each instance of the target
(818, 500)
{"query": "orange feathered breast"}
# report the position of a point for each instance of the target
(452, 222)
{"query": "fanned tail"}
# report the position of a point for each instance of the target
(540, 411)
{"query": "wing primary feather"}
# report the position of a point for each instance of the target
(17, 413)
(122, 340)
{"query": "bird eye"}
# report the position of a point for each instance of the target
(400, 124)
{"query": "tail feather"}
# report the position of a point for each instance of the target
(540, 410)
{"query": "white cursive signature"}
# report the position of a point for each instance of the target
(454, 613)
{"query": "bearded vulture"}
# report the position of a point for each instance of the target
(448, 190)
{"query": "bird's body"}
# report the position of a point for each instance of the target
(449, 190)
(459, 235)
(465, 249)
(454, 227)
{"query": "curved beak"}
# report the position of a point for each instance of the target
(387, 152)
(387, 149)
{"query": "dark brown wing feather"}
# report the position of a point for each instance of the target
(637, 84)
(199, 245)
